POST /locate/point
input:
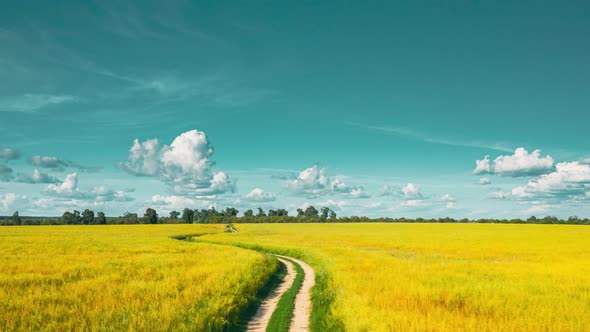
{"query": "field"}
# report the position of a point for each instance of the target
(440, 277)
(122, 278)
(370, 277)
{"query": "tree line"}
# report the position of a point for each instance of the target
(230, 215)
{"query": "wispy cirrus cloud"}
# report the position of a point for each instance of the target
(413, 134)
(30, 102)
(218, 87)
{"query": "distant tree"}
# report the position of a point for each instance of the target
(130, 215)
(71, 218)
(248, 213)
(150, 216)
(230, 212)
(66, 218)
(88, 217)
(272, 213)
(311, 211)
(77, 217)
(101, 219)
(332, 214)
(214, 212)
(197, 217)
(325, 212)
(203, 215)
(261, 213)
(282, 212)
(188, 216)
(16, 219)
(174, 215)
(574, 220)
(300, 213)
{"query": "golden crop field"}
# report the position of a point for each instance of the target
(441, 277)
(371, 277)
(117, 278)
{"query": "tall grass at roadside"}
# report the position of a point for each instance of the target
(124, 278)
(443, 277)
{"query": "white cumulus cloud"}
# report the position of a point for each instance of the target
(332, 204)
(411, 192)
(485, 181)
(68, 188)
(9, 154)
(356, 192)
(36, 177)
(500, 195)
(10, 200)
(185, 165)
(570, 179)
(386, 191)
(259, 195)
(412, 203)
(47, 162)
(536, 209)
(447, 198)
(314, 181)
(373, 205)
(174, 202)
(483, 166)
(58, 164)
(521, 163)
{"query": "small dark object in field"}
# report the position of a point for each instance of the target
(229, 228)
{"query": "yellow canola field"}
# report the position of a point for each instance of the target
(442, 277)
(122, 278)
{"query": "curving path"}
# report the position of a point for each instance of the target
(259, 322)
(302, 310)
(302, 306)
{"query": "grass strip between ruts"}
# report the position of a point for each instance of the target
(283, 314)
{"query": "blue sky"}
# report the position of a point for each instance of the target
(370, 109)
